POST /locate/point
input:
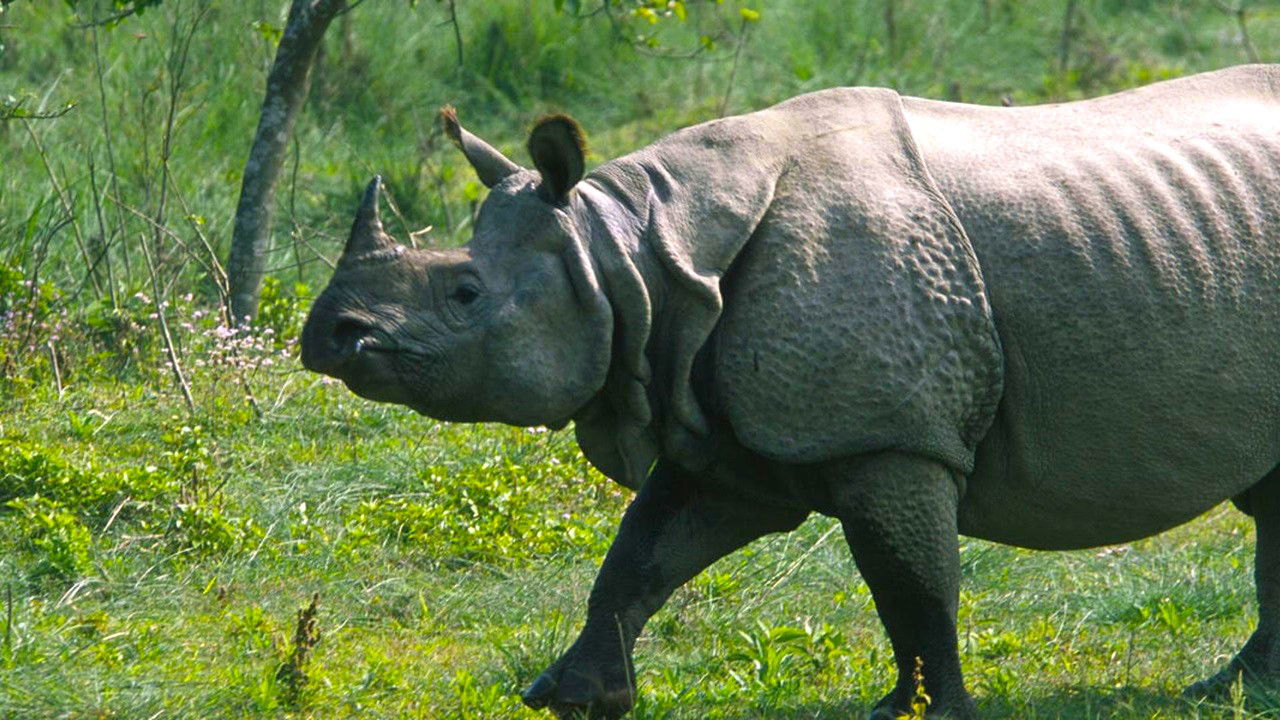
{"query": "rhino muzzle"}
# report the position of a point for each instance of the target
(330, 345)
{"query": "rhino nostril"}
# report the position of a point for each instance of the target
(349, 335)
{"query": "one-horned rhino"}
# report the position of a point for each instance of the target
(1053, 327)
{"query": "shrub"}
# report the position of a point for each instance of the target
(55, 534)
(482, 514)
(26, 471)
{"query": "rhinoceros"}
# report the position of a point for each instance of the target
(1053, 327)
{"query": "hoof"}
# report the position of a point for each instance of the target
(1222, 687)
(1213, 688)
(577, 691)
(961, 707)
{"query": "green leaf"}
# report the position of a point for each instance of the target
(269, 32)
(678, 8)
(471, 191)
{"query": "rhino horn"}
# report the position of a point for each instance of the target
(367, 234)
(492, 166)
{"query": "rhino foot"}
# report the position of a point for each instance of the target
(1256, 669)
(1221, 686)
(581, 687)
(958, 707)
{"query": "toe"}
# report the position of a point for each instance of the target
(538, 694)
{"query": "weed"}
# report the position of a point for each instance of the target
(920, 701)
(283, 309)
(62, 543)
(292, 673)
(207, 531)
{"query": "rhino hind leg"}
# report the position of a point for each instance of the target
(899, 516)
(1258, 662)
(674, 528)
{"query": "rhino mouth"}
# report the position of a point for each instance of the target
(371, 361)
(351, 338)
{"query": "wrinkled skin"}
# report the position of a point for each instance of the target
(1052, 327)
(488, 332)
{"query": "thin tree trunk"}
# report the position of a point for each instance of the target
(891, 26)
(1068, 31)
(287, 87)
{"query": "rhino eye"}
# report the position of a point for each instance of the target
(465, 295)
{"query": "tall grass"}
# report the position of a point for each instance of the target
(388, 65)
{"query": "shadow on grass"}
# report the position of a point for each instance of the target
(1065, 704)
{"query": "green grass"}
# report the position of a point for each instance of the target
(153, 557)
(166, 620)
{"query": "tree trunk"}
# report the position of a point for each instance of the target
(287, 86)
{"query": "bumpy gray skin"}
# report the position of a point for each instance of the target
(1053, 327)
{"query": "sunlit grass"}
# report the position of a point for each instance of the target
(413, 627)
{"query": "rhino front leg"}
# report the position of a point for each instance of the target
(899, 517)
(675, 527)
(1259, 660)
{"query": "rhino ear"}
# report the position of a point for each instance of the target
(557, 148)
(492, 166)
(367, 234)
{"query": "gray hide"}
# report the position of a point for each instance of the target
(866, 286)
(1131, 251)
(1053, 327)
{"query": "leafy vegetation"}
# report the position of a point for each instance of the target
(190, 526)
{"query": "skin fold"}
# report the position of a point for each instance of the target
(1052, 327)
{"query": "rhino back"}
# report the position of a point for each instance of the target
(1131, 250)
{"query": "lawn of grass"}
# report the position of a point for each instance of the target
(428, 617)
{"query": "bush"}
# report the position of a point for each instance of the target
(60, 541)
(483, 514)
(27, 471)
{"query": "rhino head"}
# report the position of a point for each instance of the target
(512, 327)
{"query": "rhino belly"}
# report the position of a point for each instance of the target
(1136, 292)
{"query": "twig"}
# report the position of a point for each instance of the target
(174, 366)
(41, 255)
(293, 208)
(733, 71)
(1239, 12)
(1068, 30)
(176, 66)
(104, 254)
(115, 18)
(457, 32)
(621, 35)
(114, 513)
(53, 361)
(350, 6)
(8, 620)
(891, 26)
(212, 270)
(106, 139)
(213, 266)
(14, 111)
(62, 200)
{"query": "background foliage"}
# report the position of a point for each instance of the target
(173, 489)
